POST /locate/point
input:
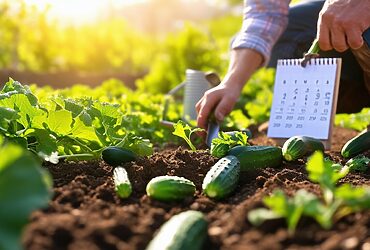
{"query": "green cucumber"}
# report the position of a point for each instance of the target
(184, 231)
(254, 157)
(170, 188)
(122, 184)
(298, 146)
(116, 156)
(222, 178)
(356, 145)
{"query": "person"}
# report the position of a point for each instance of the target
(272, 30)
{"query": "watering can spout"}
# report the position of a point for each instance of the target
(195, 85)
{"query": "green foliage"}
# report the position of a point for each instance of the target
(337, 201)
(137, 144)
(59, 127)
(24, 187)
(184, 131)
(256, 97)
(224, 142)
(53, 46)
(358, 121)
(191, 48)
(281, 206)
(322, 172)
(359, 163)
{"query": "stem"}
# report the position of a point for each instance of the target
(80, 144)
(314, 49)
(74, 155)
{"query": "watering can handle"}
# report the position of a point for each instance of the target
(213, 78)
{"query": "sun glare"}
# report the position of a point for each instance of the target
(78, 11)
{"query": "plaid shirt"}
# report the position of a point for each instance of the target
(263, 23)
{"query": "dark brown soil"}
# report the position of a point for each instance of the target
(85, 213)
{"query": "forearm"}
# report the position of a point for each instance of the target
(243, 63)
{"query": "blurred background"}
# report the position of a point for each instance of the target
(147, 44)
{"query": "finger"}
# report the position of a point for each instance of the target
(324, 37)
(198, 105)
(224, 108)
(354, 38)
(338, 40)
(206, 107)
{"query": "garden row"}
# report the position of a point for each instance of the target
(189, 229)
(64, 125)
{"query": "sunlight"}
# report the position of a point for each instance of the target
(79, 11)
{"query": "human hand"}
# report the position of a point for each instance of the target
(341, 24)
(220, 99)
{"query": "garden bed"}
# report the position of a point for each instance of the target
(85, 212)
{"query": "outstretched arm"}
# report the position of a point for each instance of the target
(264, 21)
(222, 98)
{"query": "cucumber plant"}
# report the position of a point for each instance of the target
(225, 141)
(359, 163)
(336, 202)
(184, 131)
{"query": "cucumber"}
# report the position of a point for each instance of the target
(298, 146)
(254, 157)
(116, 156)
(122, 183)
(356, 145)
(222, 178)
(170, 188)
(184, 231)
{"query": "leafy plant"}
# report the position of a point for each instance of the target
(224, 142)
(24, 187)
(184, 131)
(359, 163)
(336, 201)
(66, 128)
(358, 121)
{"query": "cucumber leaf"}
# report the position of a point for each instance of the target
(24, 187)
(184, 131)
(224, 142)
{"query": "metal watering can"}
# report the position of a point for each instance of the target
(196, 84)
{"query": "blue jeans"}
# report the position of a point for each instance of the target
(297, 39)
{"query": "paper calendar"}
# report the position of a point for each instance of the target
(305, 99)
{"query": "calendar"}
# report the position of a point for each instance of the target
(305, 98)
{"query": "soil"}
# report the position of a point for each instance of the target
(85, 212)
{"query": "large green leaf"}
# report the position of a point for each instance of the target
(60, 121)
(24, 187)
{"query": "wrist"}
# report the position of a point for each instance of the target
(234, 81)
(243, 63)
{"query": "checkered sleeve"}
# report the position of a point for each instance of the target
(263, 23)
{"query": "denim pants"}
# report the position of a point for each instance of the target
(354, 90)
